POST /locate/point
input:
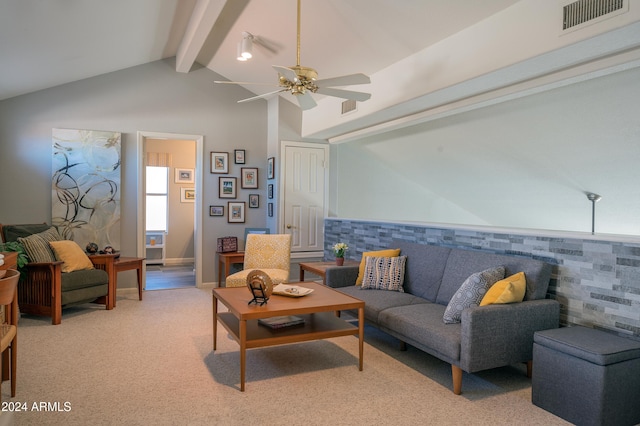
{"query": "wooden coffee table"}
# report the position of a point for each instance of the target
(319, 309)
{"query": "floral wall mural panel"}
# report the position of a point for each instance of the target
(86, 186)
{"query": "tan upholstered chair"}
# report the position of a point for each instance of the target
(270, 253)
(9, 328)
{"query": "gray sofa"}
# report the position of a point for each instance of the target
(487, 337)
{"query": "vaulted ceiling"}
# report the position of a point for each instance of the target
(53, 42)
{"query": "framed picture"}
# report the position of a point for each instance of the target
(270, 209)
(184, 176)
(240, 156)
(187, 195)
(219, 162)
(254, 201)
(271, 167)
(228, 187)
(270, 191)
(236, 211)
(249, 177)
(216, 210)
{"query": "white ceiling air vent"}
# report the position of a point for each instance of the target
(348, 106)
(585, 12)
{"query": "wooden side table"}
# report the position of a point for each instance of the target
(10, 262)
(127, 264)
(320, 268)
(226, 260)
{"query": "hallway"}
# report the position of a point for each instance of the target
(161, 277)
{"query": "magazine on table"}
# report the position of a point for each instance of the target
(281, 321)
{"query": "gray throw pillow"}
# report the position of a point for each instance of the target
(471, 293)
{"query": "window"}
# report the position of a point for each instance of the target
(157, 198)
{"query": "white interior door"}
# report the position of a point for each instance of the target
(305, 176)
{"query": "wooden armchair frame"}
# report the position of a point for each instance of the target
(40, 286)
(40, 290)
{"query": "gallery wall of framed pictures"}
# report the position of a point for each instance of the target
(228, 188)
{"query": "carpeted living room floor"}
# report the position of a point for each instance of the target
(151, 362)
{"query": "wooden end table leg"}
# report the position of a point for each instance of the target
(301, 273)
(215, 321)
(139, 269)
(361, 336)
(243, 352)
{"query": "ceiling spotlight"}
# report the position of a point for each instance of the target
(245, 47)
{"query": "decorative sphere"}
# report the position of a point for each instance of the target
(109, 250)
(92, 248)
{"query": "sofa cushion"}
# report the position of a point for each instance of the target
(83, 279)
(72, 255)
(471, 293)
(36, 246)
(377, 301)
(384, 273)
(508, 290)
(377, 253)
(423, 324)
(424, 268)
(462, 263)
(13, 232)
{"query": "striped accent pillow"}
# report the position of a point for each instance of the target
(37, 247)
(384, 273)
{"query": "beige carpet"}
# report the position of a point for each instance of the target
(150, 362)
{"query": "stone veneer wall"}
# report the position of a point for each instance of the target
(596, 281)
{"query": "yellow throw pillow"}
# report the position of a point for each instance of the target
(508, 290)
(379, 253)
(72, 255)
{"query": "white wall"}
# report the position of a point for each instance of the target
(151, 97)
(525, 163)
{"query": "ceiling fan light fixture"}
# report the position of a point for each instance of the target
(301, 81)
(239, 56)
(245, 49)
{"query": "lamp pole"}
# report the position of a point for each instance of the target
(594, 198)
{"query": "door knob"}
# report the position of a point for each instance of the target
(289, 226)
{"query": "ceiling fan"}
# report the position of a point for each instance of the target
(302, 81)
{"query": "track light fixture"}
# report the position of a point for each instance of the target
(245, 47)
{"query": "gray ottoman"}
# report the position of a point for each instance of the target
(587, 376)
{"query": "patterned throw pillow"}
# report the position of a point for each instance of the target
(384, 273)
(377, 253)
(36, 246)
(471, 293)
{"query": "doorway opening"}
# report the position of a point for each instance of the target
(169, 202)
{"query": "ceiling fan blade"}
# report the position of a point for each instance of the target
(288, 73)
(243, 82)
(345, 94)
(306, 101)
(266, 95)
(345, 80)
